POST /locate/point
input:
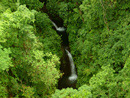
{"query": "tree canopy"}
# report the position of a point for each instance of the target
(30, 49)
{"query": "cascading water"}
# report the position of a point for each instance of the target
(73, 76)
(62, 32)
(69, 78)
(58, 28)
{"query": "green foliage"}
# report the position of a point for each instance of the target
(52, 6)
(32, 4)
(30, 49)
(41, 21)
(5, 62)
(82, 92)
(48, 36)
(104, 83)
(34, 73)
(125, 77)
(3, 85)
(100, 38)
(3, 92)
(28, 92)
(5, 4)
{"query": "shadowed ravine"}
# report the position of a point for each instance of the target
(69, 77)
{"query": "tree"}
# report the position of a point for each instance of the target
(34, 71)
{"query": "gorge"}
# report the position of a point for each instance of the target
(68, 69)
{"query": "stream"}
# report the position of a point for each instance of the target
(69, 78)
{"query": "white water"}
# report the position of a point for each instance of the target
(58, 28)
(73, 75)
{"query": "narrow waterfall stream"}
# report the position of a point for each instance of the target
(58, 28)
(73, 76)
(69, 78)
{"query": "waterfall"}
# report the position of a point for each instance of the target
(73, 75)
(69, 79)
(58, 28)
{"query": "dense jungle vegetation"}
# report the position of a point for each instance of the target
(30, 49)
